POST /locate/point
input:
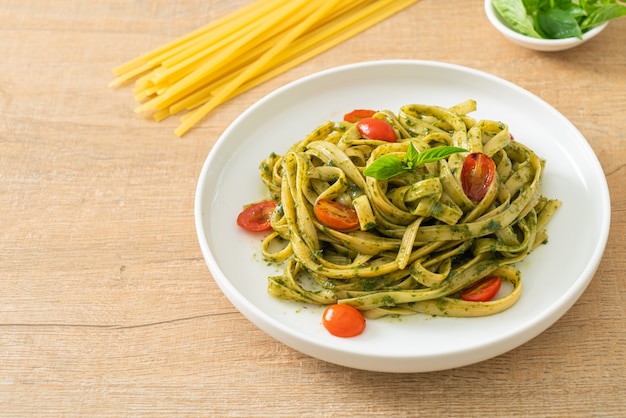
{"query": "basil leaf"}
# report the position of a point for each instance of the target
(514, 13)
(533, 5)
(556, 19)
(385, 167)
(558, 24)
(388, 166)
(603, 14)
(438, 153)
(411, 157)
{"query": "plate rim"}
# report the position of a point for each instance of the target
(284, 333)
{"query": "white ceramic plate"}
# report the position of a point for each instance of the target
(554, 276)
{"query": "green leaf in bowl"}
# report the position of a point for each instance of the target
(558, 24)
(514, 13)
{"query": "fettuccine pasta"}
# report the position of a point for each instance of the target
(420, 240)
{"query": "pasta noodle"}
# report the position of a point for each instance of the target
(421, 240)
(205, 68)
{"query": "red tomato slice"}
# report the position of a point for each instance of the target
(257, 217)
(483, 291)
(343, 320)
(358, 114)
(336, 215)
(477, 174)
(373, 128)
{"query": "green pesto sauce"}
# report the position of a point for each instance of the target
(354, 190)
(459, 228)
(386, 301)
(437, 210)
(481, 268)
(492, 226)
(442, 305)
(369, 283)
(370, 225)
(315, 256)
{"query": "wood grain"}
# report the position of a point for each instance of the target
(106, 305)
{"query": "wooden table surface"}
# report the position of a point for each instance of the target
(106, 304)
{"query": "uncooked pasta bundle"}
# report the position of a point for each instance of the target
(205, 68)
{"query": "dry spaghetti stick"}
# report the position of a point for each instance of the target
(378, 12)
(223, 56)
(247, 55)
(205, 88)
(158, 74)
(153, 63)
(220, 75)
(214, 42)
(161, 115)
(201, 36)
(317, 39)
(170, 56)
(353, 25)
(176, 91)
(297, 48)
(299, 54)
(181, 69)
(253, 69)
(224, 20)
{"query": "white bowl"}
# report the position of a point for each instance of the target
(536, 44)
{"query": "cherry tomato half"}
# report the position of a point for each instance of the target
(336, 215)
(373, 128)
(343, 320)
(483, 291)
(358, 114)
(477, 174)
(257, 217)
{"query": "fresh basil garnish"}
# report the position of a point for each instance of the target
(388, 166)
(552, 19)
